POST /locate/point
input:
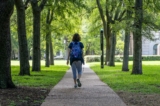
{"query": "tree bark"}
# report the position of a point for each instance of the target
(112, 51)
(47, 39)
(36, 9)
(126, 43)
(126, 51)
(47, 50)
(137, 37)
(108, 44)
(22, 39)
(36, 64)
(13, 55)
(51, 52)
(6, 10)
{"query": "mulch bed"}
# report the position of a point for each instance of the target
(23, 96)
(138, 99)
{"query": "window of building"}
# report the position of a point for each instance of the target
(155, 49)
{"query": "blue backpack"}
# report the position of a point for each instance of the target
(76, 52)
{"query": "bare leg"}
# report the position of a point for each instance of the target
(79, 76)
(75, 81)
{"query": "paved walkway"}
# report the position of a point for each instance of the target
(92, 93)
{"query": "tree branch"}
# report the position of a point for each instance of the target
(51, 16)
(117, 11)
(121, 16)
(42, 4)
(101, 11)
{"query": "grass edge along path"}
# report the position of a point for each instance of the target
(48, 76)
(147, 83)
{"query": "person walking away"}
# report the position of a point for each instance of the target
(75, 58)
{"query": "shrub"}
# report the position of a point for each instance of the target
(97, 58)
(150, 57)
(147, 57)
(92, 58)
(119, 58)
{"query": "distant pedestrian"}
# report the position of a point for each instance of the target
(75, 56)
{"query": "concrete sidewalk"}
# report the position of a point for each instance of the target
(92, 93)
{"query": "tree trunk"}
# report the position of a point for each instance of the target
(36, 38)
(47, 39)
(87, 52)
(22, 39)
(126, 43)
(6, 10)
(108, 44)
(137, 37)
(36, 10)
(47, 49)
(13, 55)
(112, 50)
(126, 51)
(51, 52)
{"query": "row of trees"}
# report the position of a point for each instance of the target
(53, 20)
(137, 17)
(60, 8)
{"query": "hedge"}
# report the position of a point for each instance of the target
(118, 58)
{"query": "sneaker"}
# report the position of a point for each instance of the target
(75, 86)
(79, 83)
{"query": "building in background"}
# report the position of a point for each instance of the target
(149, 47)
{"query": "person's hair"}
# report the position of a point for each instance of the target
(76, 37)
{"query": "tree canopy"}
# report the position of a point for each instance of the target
(45, 27)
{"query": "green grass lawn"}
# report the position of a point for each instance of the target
(46, 78)
(113, 76)
(57, 62)
(147, 83)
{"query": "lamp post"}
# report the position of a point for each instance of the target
(101, 41)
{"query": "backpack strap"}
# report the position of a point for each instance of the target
(76, 42)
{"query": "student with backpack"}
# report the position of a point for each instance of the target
(75, 56)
